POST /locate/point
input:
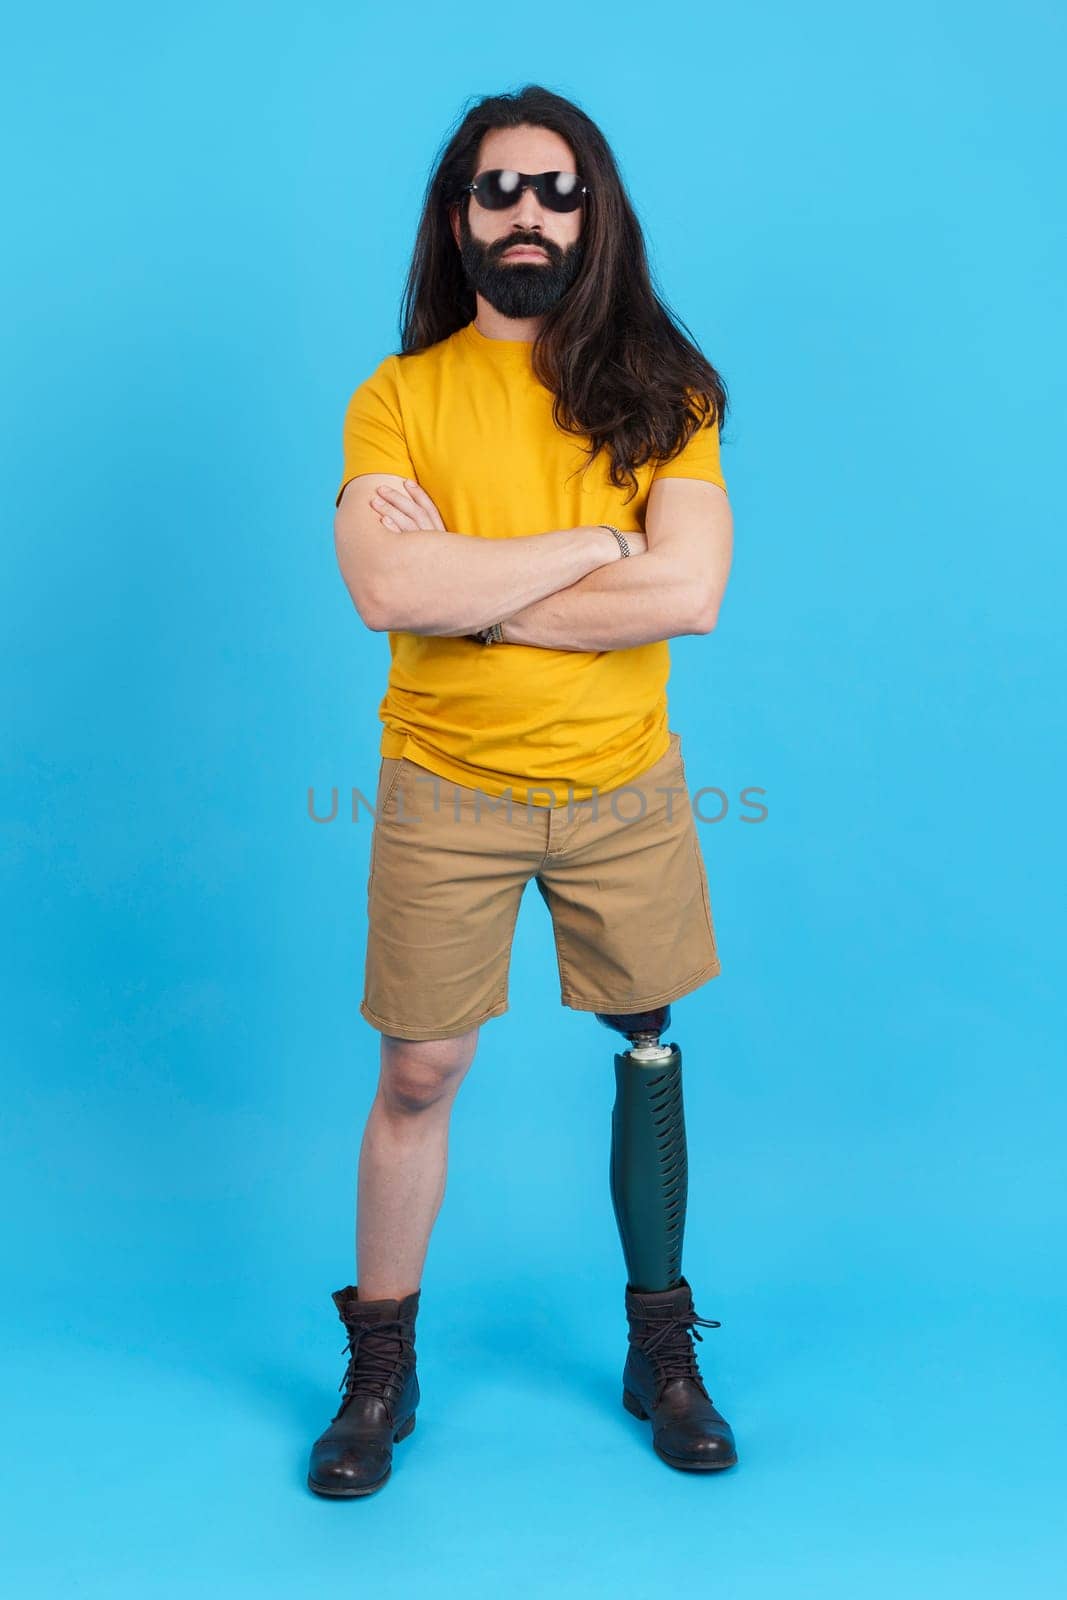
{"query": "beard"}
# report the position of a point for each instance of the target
(519, 288)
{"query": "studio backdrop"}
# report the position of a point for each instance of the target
(858, 215)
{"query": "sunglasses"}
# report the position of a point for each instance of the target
(497, 190)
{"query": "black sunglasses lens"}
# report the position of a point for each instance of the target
(497, 190)
(560, 191)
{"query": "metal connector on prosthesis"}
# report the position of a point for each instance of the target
(643, 1029)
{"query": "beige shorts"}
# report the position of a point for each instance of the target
(622, 875)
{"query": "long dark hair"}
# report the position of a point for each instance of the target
(623, 371)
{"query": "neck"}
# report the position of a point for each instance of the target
(494, 325)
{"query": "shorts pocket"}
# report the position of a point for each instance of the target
(387, 787)
(701, 872)
(387, 782)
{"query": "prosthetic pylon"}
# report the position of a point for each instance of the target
(649, 1164)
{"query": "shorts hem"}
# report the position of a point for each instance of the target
(712, 970)
(404, 1030)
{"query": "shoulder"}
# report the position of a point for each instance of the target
(405, 374)
(383, 378)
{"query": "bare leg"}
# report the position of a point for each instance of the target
(403, 1160)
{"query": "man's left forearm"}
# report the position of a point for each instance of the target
(646, 598)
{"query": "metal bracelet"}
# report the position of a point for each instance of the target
(623, 546)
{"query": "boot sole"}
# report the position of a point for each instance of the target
(636, 1409)
(367, 1488)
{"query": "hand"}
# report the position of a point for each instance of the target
(408, 509)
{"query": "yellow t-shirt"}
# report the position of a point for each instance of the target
(468, 420)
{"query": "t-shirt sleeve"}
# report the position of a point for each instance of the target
(699, 458)
(373, 434)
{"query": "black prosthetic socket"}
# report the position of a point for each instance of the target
(649, 1166)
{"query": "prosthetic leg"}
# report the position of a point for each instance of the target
(649, 1160)
(649, 1191)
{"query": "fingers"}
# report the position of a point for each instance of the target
(397, 511)
(421, 498)
(412, 501)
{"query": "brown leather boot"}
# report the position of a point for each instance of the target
(662, 1383)
(381, 1390)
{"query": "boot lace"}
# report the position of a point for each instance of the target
(674, 1354)
(374, 1357)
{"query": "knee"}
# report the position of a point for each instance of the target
(418, 1074)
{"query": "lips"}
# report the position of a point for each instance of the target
(520, 251)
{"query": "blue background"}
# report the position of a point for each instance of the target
(859, 215)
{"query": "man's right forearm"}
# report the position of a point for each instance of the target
(446, 582)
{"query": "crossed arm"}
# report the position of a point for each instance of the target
(673, 587)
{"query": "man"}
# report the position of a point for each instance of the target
(497, 474)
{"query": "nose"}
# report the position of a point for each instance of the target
(528, 210)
